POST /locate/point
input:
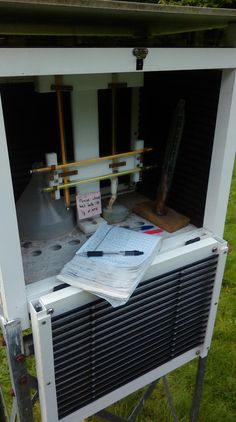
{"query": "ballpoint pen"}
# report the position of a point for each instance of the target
(139, 228)
(101, 253)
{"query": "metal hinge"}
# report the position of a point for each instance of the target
(140, 54)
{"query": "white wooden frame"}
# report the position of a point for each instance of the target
(42, 61)
(72, 298)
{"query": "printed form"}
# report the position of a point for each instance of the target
(113, 277)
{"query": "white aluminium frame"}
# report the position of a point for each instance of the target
(52, 61)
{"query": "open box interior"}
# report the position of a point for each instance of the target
(32, 129)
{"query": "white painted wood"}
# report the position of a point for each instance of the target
(12, 284)
(87, 82)
(134, 132)
(70, 61)
(67, 299)
(84, 106)
(223, 156)
(222, 250)
(42, 333)
(180, 256)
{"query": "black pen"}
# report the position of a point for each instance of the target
(90, 254)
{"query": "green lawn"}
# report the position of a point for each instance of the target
(219, 394)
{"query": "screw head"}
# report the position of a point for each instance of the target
(50, 311)
(20, 358)
(23, 380)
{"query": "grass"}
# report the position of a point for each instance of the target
(219, 397)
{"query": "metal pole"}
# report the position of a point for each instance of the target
(170, 399)
(12, 333)
(2, 409)
(132, 417)
(198, 389)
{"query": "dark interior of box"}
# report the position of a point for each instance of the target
(32, 129)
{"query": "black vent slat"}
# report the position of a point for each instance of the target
(121, 354)
(149, 309)
(115, 370)
(116, 383)
(147, 321)
(126, 337)
(115, 367)
(98, 348)
(67, 409)
(188, 311)
(185, 282)
(102, 305)
(105, 387)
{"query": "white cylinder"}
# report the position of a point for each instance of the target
(51, 160)
(136, 177)
(139, 144)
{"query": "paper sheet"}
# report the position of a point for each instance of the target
(113, 277)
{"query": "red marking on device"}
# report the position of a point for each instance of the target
(154, 231)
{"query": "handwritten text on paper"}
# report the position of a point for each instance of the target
(88, 204)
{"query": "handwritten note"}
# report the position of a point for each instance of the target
(88, 204)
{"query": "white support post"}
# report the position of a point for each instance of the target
(135, 143)
(223, 156)
(85, 130)
(134, 116)
(12, 284)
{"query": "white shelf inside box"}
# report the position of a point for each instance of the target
(43, 260)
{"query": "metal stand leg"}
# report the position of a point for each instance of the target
(198, 389)
(104, 414)
(3, 415)
(132, 417)
(170, 399)
(107, 416)
(20, 379)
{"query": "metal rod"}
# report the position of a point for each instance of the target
(198, 389)
(170, 399)
(3, 409)
(107, 416)
(90, 161)
(62, 134)
(95, 179)
(136, 410)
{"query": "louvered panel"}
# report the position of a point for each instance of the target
(98, 348)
